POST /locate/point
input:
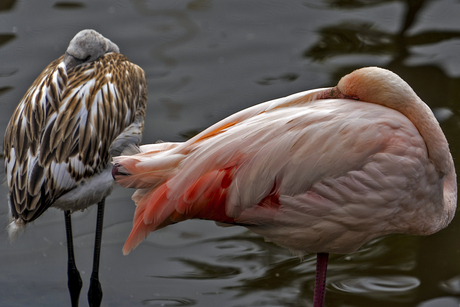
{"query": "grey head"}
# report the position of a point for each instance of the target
(86, 47)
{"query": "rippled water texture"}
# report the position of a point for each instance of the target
(205, 60)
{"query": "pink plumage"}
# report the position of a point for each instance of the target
(321, 171)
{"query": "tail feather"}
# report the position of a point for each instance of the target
(15, 229)
(200, 186)
(137, 196)
(147, 200)
(140, 229)
(152, 210)
(147, 168)
(139, 181)
(159, 205)
(139, 232)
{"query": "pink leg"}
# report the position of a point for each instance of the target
(320, 281)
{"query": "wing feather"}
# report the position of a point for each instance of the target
(270, 149)
(62, 129)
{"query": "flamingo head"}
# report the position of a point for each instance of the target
(87, 46)
(377, 85)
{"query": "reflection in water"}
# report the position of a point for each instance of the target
(202, 56)
(197, 5)
(352, 38)
(6, 38)
(364, 38)
(175, 25)
(347, 4)
(358, 37)
(68, 5)
(5, 89)
(442, 301)
(6, 5)
(204, 270)
(173, 301)
(452, 285)
(6, 72)
(174, 108)
(288, 77)
(376, 270)
(377, 286)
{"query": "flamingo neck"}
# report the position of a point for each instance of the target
(383, 87)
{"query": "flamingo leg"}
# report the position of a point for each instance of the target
(95, 289)
(74, 282)
(320, 281)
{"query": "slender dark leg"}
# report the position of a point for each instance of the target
(320, 281)
(95, 289)
(74, 280)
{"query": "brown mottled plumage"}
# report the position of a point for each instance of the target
(54, 125)
(84, 108)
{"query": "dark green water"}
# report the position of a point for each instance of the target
(206, 60)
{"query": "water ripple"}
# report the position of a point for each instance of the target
(203, 270)
(376, 285)
(169, 301)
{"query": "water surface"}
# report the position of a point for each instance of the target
(205, 60)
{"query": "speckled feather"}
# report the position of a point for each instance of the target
(66, 128)
(313, 172)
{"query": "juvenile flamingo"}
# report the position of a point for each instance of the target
(84, 108)
(322, 171)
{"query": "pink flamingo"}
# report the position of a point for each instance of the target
(321, 171)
